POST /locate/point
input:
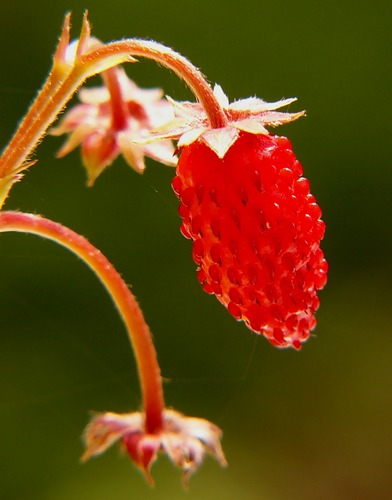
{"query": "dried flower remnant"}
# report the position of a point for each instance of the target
(185, 440)
(110, 118)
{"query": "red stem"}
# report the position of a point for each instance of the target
(138, 331)
(54, 95)
(117, 103)
(171, 60)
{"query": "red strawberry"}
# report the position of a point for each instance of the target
(256, 229)
(256, 232)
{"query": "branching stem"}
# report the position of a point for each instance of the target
(61, 86)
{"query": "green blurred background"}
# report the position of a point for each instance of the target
(309, 425)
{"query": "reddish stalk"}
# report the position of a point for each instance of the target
(9, 160)
(170, 59)
(117, 104)
(54, 95)
(54, 79)
(129, 310)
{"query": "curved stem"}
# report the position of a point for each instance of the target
(53, 98)
(181, 66)
(138, 331)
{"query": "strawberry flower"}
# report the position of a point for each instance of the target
(109, 118)
(185, 440)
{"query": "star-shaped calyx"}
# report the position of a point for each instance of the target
(250, 115)
(109, 117)
(185, 440)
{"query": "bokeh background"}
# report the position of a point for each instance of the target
(308, 425)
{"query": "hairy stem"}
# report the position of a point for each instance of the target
(137, 329)
(53, 81)
(174, 61)
(60, 87)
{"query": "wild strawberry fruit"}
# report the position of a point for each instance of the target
(256, 229)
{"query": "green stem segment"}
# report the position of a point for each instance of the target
(138, 331)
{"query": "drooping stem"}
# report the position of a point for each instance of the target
(55, 94)
(138, 331)
(181, 66)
